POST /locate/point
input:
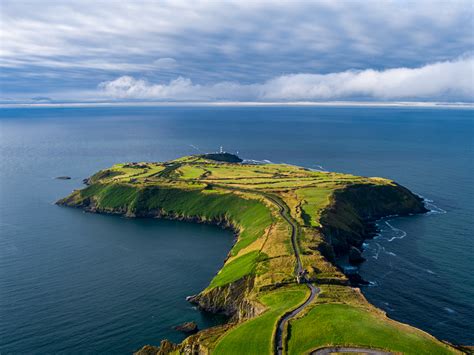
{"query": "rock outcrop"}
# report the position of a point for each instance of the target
(187, 327)
(355, 256)
(230, 300)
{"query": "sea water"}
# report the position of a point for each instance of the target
(77, 282)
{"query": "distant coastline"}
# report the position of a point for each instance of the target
(410, 104)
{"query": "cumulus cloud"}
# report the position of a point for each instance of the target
(131, 88)
(445, 81)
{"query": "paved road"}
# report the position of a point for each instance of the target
(341, 349)
(279, 334)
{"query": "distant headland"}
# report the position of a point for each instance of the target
(280, 285)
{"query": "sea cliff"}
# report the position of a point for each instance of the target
(329, 212)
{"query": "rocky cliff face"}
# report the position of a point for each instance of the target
(353, 210)
(345, 224)
(231, 299)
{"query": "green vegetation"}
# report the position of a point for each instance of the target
(257, 283)
(313, 201)
(341, 324)
(236, 269)
(258, 332)
(223, 157)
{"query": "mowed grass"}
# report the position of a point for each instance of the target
(255, 336)
(313, 201)
(194, 188)
(340, 324)
(191, 172)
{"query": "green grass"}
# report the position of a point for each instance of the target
(193, 187)
(111, 196)
(255, 336)
(340, 324)
(313, 202)
(251, 216)
(236, 269)
(191, 172)
(105, 174)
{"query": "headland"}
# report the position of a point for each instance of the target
(280, 285)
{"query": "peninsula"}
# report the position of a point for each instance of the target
(280, 285)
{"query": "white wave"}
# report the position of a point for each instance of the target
(196, 148)
(319, 168)
(429, 204)
(387, 306)
(449, 310)
(430, 272)
(377, 252)
(256, 162)
(400, 234)
(433, 209)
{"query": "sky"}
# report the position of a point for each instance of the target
(265, 51)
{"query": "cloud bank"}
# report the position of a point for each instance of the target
(443, 81)
(51, 47)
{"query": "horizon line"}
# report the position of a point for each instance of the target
(430, 104)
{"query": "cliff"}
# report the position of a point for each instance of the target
(329, 213)
(348, 220)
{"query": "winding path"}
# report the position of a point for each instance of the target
(285, 214)
(342, 349)
(314, 291)
(279, 334)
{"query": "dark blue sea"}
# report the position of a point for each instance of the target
(75, 282)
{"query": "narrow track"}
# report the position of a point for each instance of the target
(343, 349)
(285, 214)
(279, 334)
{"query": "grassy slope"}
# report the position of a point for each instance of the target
(250, 216)
(342, 324)
(255, 336)
(193, 187)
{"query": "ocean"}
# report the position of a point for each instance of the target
(76, 282)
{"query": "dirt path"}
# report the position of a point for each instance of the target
(341, 349)
(279, 334)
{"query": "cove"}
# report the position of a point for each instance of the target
(96, 283)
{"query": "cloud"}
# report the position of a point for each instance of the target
(127, 87)
(234, 38)
(165, 63)
(50, 47)
(444, 81)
